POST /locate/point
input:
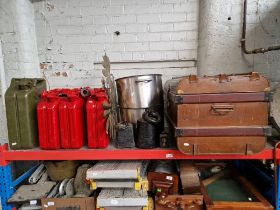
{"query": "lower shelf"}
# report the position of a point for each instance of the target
(112, 153)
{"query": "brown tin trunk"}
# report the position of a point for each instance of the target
(224, 114)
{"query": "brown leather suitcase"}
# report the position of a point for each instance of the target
(224, 114)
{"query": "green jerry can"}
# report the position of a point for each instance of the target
(21, 100)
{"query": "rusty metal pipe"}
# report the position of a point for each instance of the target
(243, 40)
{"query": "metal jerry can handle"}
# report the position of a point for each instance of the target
(222, 109)
(27, 84)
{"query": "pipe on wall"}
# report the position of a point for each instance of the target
(243, 40)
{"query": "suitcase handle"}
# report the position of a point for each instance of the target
(222, 109)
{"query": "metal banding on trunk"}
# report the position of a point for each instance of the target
(223, 131)
(218, 97)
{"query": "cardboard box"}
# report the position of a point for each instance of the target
(71, 203)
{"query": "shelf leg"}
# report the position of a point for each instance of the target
(6, 188)
(278, 188)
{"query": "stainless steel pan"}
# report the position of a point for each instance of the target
(140, 91)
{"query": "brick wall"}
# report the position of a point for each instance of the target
(19, 47)
(17, 33)
(73, 35)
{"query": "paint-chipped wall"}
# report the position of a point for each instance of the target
(220, 34)
(73, 35)
(19, 46)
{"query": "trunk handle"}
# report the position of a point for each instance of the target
(193, 78)
(222, 109)
(223, 78)
(255, 76)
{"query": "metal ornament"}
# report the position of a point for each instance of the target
(110, 110)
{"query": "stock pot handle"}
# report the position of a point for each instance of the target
(144, 80)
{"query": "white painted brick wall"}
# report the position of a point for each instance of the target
(17, 32)
(20, 55)
(79, 32)
(219, 38)
(73, 35)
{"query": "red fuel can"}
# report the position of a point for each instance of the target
(96, 122)
(61, 119)
(72, 120)
(48, 120)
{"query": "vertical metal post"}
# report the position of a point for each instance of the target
(277, 207)
(6, 188)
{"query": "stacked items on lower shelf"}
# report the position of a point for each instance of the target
(123, 198)
(225, 188)
(138, 185)
(205, 185)
(124, 184)
(56, 185)
(128, 174)
(164, 183)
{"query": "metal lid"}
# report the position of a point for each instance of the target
(138, 76)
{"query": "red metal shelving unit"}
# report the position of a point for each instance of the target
(112, 153)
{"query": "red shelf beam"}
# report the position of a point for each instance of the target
(117, 154)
